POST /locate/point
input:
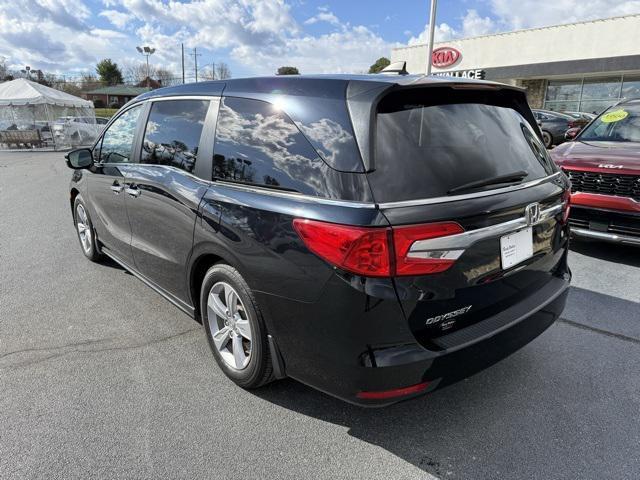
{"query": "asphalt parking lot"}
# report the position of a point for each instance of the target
(102, 378)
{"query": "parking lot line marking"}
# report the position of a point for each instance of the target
(599, 330)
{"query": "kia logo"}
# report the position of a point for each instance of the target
(608, 165)
(445, 57)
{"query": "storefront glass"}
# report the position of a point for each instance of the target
(565, 90)
(631, 87)
(601, 88)
(591, 95)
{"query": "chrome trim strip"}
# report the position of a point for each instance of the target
(180, 97)
(293, 195)
(435, 254)
(464, 240)
(608, 237)
(467, 196)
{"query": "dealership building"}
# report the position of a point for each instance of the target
(584, 66)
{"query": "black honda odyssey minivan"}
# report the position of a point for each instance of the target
(375, 237)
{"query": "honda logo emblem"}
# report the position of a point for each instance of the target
(532, 213)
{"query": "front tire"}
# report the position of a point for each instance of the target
(85, 231)
(547, 138)
(235, 328)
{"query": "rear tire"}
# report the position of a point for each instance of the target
(235, 327)
(84, 230)
(547, 138)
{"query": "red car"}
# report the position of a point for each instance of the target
(603, 164)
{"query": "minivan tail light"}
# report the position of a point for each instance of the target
(412, 260)
(379, 251)
(361, 250)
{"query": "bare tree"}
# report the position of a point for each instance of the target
(166, 77)
(88, 81)
(4, 69)
(222, 71)
(137, 72)
(207, 73)
(72, 88)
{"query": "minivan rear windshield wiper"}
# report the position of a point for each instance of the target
(507, 178)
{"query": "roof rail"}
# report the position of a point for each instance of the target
(396, 67)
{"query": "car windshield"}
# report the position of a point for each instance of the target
(617, 124)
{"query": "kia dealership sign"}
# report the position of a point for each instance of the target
(444, 57)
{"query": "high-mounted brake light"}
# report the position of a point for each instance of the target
(379, 251)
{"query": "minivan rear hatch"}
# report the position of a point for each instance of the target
(468, 158)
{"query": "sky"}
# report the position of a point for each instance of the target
(255, 37)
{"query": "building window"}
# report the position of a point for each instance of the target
(631, 87)
(591, 95)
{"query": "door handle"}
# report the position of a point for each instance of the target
(133, 191)
(116, 188)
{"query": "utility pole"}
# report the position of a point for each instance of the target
(432, 30)
(195, 55)
(182, 45)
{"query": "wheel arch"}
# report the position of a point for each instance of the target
(202, 259)
(72, 197)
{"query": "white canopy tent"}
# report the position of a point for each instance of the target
(34, 115)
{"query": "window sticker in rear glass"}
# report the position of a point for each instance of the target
(614, 116)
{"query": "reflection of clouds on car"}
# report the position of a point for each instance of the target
(330, 136)
(118, 139)
(257, 131)
(169, 121)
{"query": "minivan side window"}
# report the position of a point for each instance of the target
(172, 134)
(258, 144)
(117, 142)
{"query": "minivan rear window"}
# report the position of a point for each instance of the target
(435, 142)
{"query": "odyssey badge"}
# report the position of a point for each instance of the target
(448, 316)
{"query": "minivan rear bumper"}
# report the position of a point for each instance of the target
(387, 373)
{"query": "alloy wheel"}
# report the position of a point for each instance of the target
(229, 325)
(84, 228)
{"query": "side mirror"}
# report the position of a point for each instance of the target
(570, 134)
(79, 159)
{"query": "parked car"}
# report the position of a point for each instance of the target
(603, 163)
(580, 119)
(78, 130)
(554, 126)
(375, 237)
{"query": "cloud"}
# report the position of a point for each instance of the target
(538, 13)
(255, 35)
(118, 19)
(323, 16)
(472, 25)
(352, 49)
